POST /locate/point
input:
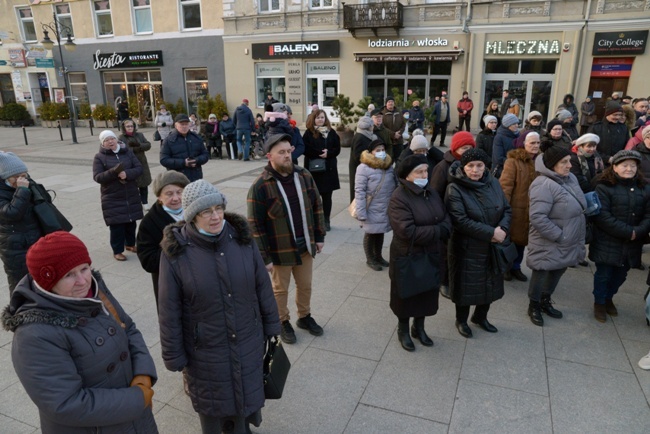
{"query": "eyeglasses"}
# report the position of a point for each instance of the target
(207, 213)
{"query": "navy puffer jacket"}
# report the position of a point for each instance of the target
(121, 202)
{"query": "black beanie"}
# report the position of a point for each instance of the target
(474, 154)
(409, 163)
(374, 144)
(552, 154)
(552, 123)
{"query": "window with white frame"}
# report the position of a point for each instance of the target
(64, 18)
(103, 19)
(26, 23)
(269, 5)
(196, 85)
(320, 4)
(190, 14)
(142, 16)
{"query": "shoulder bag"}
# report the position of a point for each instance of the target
(352, 208)
(416, 273)
(156, 136)
(317, 165)
(276, 369)
(49, 217)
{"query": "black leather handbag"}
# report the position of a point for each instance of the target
(416, 273)
(49, 217)
(317, 165)
(276, 369)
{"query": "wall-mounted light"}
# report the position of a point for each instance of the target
(246, 51)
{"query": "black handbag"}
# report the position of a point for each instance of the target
(416, 273)
(49, 217)
(502, 256)
(156, 136)
(276, 369)
(317, 165)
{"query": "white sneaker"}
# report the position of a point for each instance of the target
(644, 363)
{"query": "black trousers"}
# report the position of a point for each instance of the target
(442, 130)
(144, 194)
(465, 121)
(327, 204)
(480, 312)
(121, 235)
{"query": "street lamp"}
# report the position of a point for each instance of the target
(57, 28)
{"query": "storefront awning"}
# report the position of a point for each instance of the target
(420, 56)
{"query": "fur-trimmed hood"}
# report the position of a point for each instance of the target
(178, 236)
(373, 162)
(520, 154)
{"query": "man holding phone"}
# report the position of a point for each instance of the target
(183, 150)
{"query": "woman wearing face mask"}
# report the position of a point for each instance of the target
(492, 109)
(136, 142)
(586, 163)
(485, 139)
(374, 183)
(480, 214)
(216, 310)
(619, 229)
(163, 122)
(116, 168)
(420, 224)
(168, 188)
(321, 141)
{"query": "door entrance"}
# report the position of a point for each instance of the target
(603, 88)
(322, 91)
(532, 92)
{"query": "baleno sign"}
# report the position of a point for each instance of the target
(295, 49)
(523, 47)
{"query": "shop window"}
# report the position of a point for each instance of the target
(196, 87)
(395, 68)
(440, 68)
(26, 24)
(538, 66)
(270, 79)
(269, 5)
(320, 4)
(375, 68)
(137, 76)
(424, 79)
(7, 94)
(501, 66)
(103, 18)
(142, 16)
(78, 88)
(190, 14)
(64, 18)
(421, 68)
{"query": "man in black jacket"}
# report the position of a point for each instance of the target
(183, 150)
(612, 133)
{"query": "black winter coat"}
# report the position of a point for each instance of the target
(439, 178)
(613, 138)
(484, 141)
(139, 145)
(360, 143)
(416, 214)
(19, 229)
(328, 180)
(216, 309)
(434, 156)
(121, 202)
(476, 208)
(644, 167)
(626, 208)
(150, 234)
(176, 148)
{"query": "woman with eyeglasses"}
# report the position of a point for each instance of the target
(136, 142)
(216, 310)
(586, 163)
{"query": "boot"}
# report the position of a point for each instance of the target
(444, 291)
(610, 308)
(535, 313)
(370, 257)
(379, 243)
(403, 336)
(417, 331)
(600, 313)
(547, 307)
(327, 225)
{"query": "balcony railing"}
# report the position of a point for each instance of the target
(373, 16)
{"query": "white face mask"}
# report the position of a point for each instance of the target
(421, 182)
(381, 155)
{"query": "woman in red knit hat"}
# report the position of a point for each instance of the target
(77, 353)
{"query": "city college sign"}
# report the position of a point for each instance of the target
(275, 50)
(619, 43)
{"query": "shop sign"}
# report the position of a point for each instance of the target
(270, 69)
(620, 42)
(443, 56)
(17, 58)
(3, 62)
(426, 42)
(36, 53)
(298, 49)
(127, 60)
(45, 63)
(322, 68)
(523, 47)
(612, 67)
(18, 85)
(294, 83)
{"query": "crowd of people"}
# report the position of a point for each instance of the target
(462, 221)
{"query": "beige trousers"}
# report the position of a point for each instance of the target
(281, 277)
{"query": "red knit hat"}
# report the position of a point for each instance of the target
(53, 256)
(460, 139)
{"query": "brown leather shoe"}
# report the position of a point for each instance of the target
(610, 308)
(133, 249)
(120, 257)
(600, 313)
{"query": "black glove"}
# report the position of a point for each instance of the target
(164, 124)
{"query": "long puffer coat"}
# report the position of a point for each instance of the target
(374, 219)
(439, 178)
(19, 229)
(416, 214)
(556, 238)
(216, 309)
(121, 202)
(328, 180)
(518, 173)
(485, 141)
(476, 209)
(504, 142)
(76, 362)
(625, 208)
(164, 118)
(150, 234)
(360, 143)
(139, 145)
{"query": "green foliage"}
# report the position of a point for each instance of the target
(343, 109)
(214, 105)
(134, 110)
(84, 111)
(172, 109)
(399, 98)
(180, 107)
(361, 108)
(220, 107)
(2, 113)
(61, 110)
(47, 111)
(104, 112)
(15, 112)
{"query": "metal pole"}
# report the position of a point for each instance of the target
(25, 135)
(58, 125)
(91, 126)
(73, 131)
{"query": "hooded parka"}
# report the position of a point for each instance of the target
(121, 202)
(556, 239)
(374, 219)
(139, 145)
(476, 209)
(76, 362)
(518, 173)
(216, 309)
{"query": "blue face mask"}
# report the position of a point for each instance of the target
(9, 185)
(406, 117)
(381, 155)
(421, 182)
(173, 211)
(201, 231)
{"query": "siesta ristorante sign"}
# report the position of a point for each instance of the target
(127, 60)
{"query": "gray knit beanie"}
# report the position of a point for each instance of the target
(489, 118)
(11, 165)
(105, 135)
(419, 142)
(563, 115)
(200, 195)
(169, 177)
(365, 123)
(509, 120)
